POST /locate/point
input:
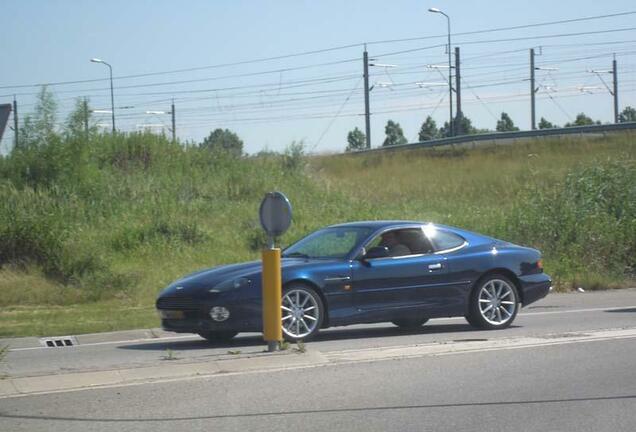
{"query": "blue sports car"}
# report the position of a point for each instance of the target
(365, 272)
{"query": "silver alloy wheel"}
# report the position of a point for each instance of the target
(497, 302)
(301, 313)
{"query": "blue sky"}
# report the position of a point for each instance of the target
(316, 98)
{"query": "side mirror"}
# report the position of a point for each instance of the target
(377, 252)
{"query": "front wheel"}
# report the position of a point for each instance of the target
(302, 313)
(494, 303)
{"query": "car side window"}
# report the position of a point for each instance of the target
(332, 244)
(403, 242)
(444, 240)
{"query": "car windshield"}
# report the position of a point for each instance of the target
(335, 242)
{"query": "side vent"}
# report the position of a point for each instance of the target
(58, 341)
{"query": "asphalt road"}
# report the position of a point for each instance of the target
(565, 386)
(557, 313)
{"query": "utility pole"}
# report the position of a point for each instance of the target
(458, 90)
(451, 126)
(614, 90)
(367, 114)
(15, 122)
(85, 115)
(174, 123)
(615, 86)
(112, 96)
(451, 129)
(533, 120)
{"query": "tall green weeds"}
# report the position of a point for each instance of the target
(114, 218)
(586, 222)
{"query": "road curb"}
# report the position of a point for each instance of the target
(91, 338)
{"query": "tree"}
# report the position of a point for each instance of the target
(627, 115)
(223, 140)
(463, 125)
(39, 128)
(78, 119)
(45, 113)
(394, 134)
(506, 124)
(357, 140)
(582, 120)
(544, 124)
(429, 130)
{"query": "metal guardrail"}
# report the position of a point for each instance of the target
(507, 135)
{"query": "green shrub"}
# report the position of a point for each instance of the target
(31, 226)
(587, 222)
(293, 159)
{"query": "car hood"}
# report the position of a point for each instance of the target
(214, 278)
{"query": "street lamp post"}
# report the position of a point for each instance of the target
(112, 96)
(450, 68)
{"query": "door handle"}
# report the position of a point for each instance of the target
(337, 278)
(436, 266)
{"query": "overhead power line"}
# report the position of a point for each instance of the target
(320, 51)
(192, 69)
(498, 29)
(558, 35)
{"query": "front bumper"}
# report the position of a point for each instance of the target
(244, 317)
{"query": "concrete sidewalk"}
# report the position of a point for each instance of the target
(163, 371)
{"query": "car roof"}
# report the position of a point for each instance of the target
(380, 224)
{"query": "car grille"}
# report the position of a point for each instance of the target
(180, 303)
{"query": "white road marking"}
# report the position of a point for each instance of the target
(577, 310)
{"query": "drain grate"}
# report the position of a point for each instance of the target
(58, 341)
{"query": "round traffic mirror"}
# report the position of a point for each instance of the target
(275, 214)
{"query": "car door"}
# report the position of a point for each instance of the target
(386, 287)
(450, 296)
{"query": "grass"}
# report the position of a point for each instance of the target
(108, 315)
(90, 234)
(169, 355)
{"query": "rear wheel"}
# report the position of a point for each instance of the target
(494, 303)
(218, 336)
(302, 313)
(409, 323)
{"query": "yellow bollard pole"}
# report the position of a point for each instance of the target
(272, 298)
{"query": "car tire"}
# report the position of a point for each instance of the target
(302, 312)
(410, 323)
(494, 303)
(218, 336)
